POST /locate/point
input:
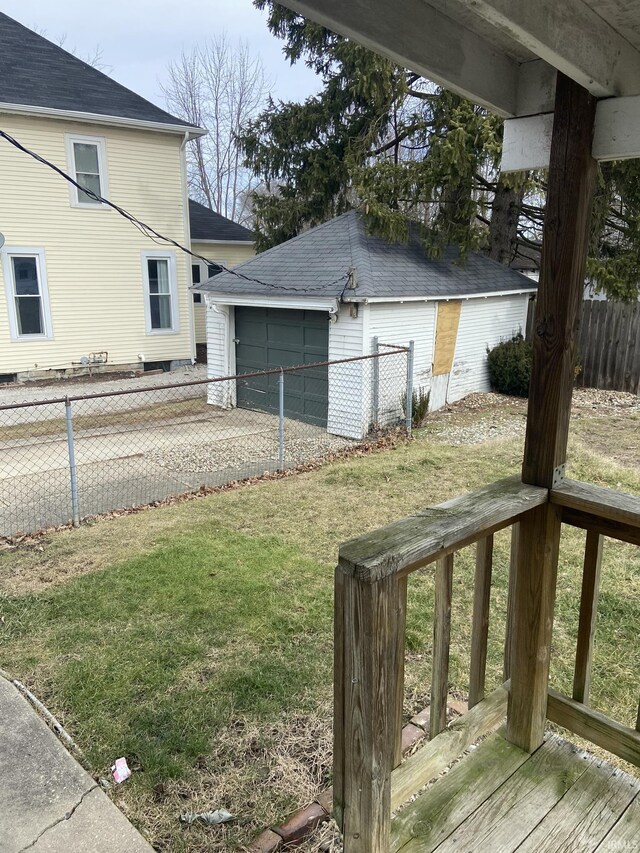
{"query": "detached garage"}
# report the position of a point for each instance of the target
(334, 292)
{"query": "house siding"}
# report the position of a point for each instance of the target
(93, 257)
(483, 323)
(230, 254)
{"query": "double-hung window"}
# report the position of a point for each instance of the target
(88, 166)
(161, 304)
(27, 296)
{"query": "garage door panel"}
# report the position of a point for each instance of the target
(271, 338)
(315, 338)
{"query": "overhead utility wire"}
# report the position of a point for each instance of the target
(154, 235)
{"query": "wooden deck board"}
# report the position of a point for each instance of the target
(500, 799)
(423, 824)
(587, 812)
(625, 833)
(511, 813)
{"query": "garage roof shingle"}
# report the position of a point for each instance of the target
(316, 263)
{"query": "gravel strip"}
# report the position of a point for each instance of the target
(501, 417)
(234, 452)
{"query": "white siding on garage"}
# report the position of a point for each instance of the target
(219, 350)
(347, 382)
(483, 323)
(399, 323)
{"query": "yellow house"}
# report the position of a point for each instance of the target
(220, 241)
(82, 285)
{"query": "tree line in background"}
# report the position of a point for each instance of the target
(381, 139)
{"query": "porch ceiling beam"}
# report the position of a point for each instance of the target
(427, 41)
(572, 38)
(616, 136)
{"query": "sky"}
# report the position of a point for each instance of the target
(138, 38)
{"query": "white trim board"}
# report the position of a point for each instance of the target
(98, 118)
(451, 298)
(616, 136)
(302, 303)
(224, 242)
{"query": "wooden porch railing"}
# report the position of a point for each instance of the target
(370, 614)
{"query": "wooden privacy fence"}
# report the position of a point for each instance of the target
(609, 346)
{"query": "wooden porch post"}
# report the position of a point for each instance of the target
(564, 251)
(368, 690)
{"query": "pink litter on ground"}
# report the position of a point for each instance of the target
(120, 770)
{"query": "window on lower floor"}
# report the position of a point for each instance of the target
(161, 307)
(27, 297)
(195, 279)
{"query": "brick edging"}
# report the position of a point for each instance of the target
(299, 826)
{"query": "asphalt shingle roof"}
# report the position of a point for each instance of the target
(35, 72)
(206, 224)
(316, 264)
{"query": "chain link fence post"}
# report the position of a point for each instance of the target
(281, 421)
(376, 382)
(410, 353)
(72, 462)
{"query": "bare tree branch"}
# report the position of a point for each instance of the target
(218, 86)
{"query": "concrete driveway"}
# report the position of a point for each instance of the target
(124, 465)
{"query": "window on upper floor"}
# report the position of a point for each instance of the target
(27, 295)
(88, 166)
(161, 303)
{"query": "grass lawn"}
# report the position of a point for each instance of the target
(196, 639)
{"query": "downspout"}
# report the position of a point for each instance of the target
(187, 242)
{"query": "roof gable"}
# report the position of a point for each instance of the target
(34, 72)
(318, 261)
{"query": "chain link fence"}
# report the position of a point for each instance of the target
(68, 458)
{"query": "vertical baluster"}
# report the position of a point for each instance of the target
(399, 645)
(441, 643)
(506, 674)
(480, 626)
(588, 616)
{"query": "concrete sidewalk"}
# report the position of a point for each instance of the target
(48, 803)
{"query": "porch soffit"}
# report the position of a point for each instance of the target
(499, 53)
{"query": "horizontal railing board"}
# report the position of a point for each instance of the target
(603, 526)
(598, 501)
(419, 539)
(590, 724)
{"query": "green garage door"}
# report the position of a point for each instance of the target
(268, 338)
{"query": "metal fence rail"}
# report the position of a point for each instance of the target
(67, 458)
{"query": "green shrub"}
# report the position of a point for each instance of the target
(510, 366)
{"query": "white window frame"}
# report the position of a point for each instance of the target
(100, 142)
(8, 253)
(173, 290)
